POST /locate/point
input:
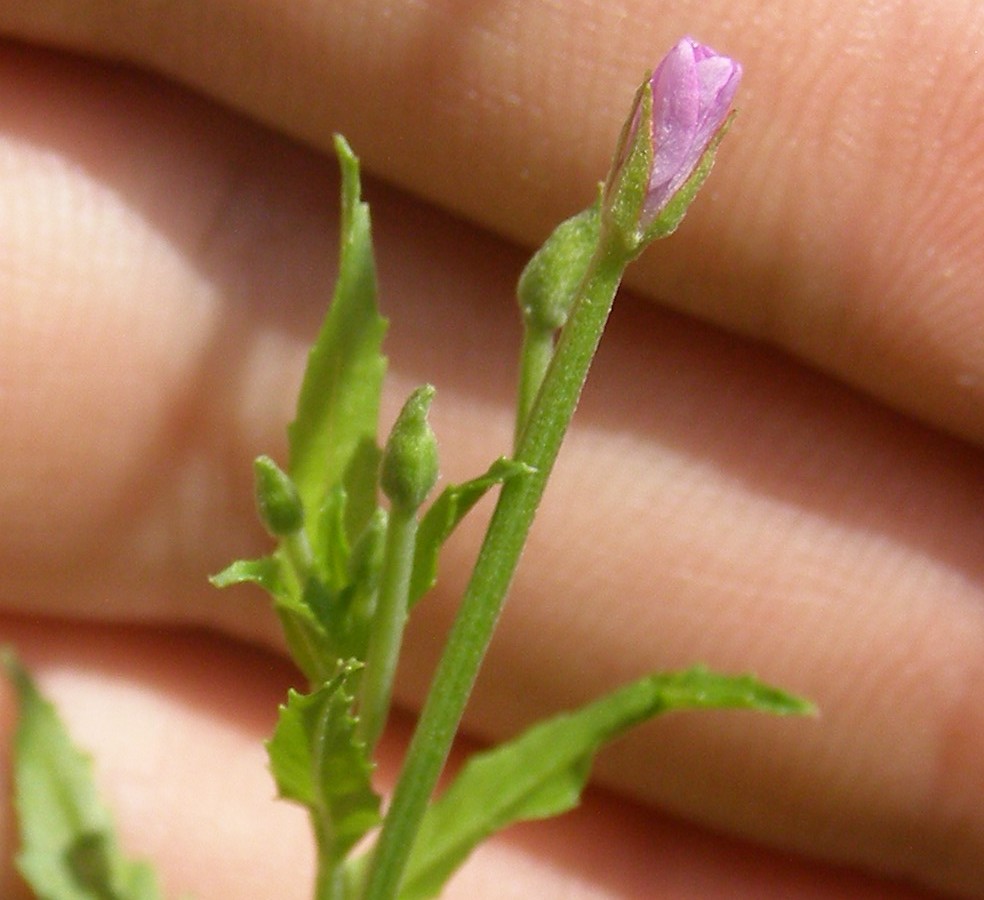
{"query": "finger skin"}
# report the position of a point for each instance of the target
(716, 501)
(847, 223)
(191, 790)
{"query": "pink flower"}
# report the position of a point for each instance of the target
(692, 92)
(667, 145)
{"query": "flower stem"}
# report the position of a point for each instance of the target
(389, 621)
(538, 446)
(297, 549)
(330, 883)
(534, 360)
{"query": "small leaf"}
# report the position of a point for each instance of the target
(267, 572)
(301, 612)
(543, 772)
(318, 762)
(68, 848)
(361, 479)
(445, 513)
(357, 600)
(332, 439)
(332, 550)
(311, 646)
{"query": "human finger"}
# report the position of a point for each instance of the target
(848, 212)
(754, 489)
(175, 723)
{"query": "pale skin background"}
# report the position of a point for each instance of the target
(778, 464)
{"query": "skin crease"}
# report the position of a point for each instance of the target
(806, 505)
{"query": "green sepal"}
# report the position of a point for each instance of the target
(625, 189)
(332, 438)
(674, 211)
(317, 761)
(69, 850)
(543, 772)
(443, 516)
(548, 284)
(627, 184)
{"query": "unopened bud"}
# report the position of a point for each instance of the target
(549, 281)
(410, 458)
(277, 499)
(669, 139)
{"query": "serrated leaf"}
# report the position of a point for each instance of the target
(68, 847)
(333, 437)
(543, 772)
(317, 761)
(443, 516)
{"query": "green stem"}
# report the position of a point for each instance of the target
(494, 568)
(330, 883)
(534, 360)
(297, 549)
(389, 620)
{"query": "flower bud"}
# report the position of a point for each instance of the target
(675, 121)
(548, 283)
(277, 499)
(409, 468)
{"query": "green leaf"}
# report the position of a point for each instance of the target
(302, 612)
(68, 847)
(443, 516)
(333, 437)
(267, 572)
(318, 762)
(331, 553)
(543, 772)
(311, 646)
(357, 600)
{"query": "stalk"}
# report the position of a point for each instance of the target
(534, 360)
(537, 446)
(389, 622)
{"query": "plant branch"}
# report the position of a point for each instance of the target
(537, 447)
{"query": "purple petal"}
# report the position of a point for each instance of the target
(676, 111)
(692, 90)
(718, 77)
